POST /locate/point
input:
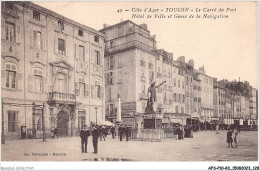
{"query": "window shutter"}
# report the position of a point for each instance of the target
(77, 51)
(76, 88)
(94, 57)
(101, 58)
(32, 39)
(115, 78)
(19, 81)
(102, 92)
(107, 63)
(67, 46)
(85, 53)
(92, 91)
(43, 41)
(3, 28)
(114, 62)
(18, 33)
(30, 83)
(106, 79)
(3, 78)
(86, 90)
(55, 43)
(44, 82)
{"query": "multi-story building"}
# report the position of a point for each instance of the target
(140, 65)
(130, 62)
(178, 79)
(49, 60)
(133, 62)
(253, 107)
(197, 96)
(207, 107)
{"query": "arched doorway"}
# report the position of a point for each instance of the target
(62, 123)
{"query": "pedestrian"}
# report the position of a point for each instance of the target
(100, 132)
(95, 135)
(181, 133)
(84, 134)
(124, 131)
(217, 128)
(120, 131)
(127, 133)
(52, 132)
(104, 132)
(56, 132)
(177, 132)
(235, 139)
(113, 131)
(229, 138)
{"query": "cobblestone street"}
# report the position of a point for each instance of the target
(205, 146)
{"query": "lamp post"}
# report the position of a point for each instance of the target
(96, 114)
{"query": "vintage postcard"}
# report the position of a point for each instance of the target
(136, 81)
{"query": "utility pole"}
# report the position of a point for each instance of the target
(3, 129)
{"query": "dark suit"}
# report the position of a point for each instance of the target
(84, 134)
(120, 131)
(113, 132)
(95, 135)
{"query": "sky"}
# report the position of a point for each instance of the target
(226, 47)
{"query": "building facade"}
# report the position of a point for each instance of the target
(207, 107)
(51, 61)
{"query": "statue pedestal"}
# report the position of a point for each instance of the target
(152, 121)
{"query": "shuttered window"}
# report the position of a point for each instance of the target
(12, 121)
(9, 31)
(37, 39)
(10, 75)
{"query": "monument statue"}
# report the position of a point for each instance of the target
(151, 94)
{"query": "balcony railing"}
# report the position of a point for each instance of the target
(61, 97)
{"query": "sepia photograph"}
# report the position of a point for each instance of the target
(129, 81)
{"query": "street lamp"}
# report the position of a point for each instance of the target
(96, 114)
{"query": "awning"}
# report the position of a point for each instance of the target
(107, 123)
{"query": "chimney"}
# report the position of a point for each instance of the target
(105, 25)
(181, 59)
(191, 63)
(144, 26)
(161, 51)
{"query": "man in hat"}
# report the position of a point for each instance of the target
(84, 134)
(95, 135)
(120, 132)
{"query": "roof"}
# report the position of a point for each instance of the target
(121, 23)
(65, 19)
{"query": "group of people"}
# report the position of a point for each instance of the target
(178, 131)
(123, 132)
(54, 132)
(230, 139)
(85, 133)
(103, 132)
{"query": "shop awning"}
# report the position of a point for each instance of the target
(107, 123)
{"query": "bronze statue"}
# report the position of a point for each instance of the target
(152, 97)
